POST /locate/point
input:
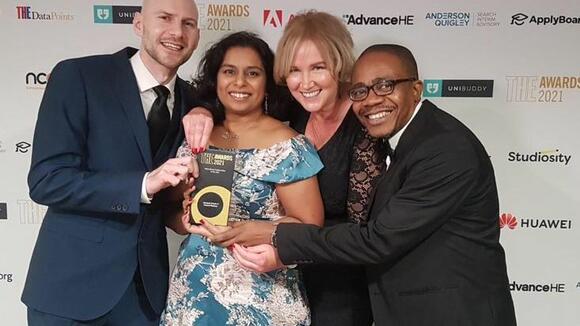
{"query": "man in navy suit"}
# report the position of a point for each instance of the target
(431, 245)
(106, 127)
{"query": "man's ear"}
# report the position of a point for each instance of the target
(418, 90)
(138, 24)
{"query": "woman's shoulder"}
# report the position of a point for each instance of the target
(275, 132)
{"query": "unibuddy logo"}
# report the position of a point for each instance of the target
(107, 14)
(546, 156)
(458, 88)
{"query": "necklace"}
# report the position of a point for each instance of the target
(229, 135)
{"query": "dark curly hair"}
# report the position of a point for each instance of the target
(205, 84)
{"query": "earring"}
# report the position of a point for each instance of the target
(266, 104)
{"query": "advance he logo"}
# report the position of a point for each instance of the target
(3, 211)
(519, 19)
(22, 147)
(508, 220)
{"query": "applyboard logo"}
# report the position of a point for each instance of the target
(551, 156)
(458, 88)
(108, 14)
(23, 147)
(520, 19)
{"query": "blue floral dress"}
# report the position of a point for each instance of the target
(207, 286)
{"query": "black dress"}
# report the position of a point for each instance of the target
(337, 294)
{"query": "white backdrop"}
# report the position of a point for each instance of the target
(518, 58)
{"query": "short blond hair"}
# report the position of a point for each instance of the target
(330, 36)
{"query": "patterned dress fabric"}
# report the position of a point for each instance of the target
(207, 286)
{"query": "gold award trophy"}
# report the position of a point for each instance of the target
(211, 199)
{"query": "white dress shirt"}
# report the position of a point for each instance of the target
(146, 82)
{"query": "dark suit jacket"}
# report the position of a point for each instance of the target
(431, 246)
(91, 151)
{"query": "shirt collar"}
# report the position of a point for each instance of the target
(145, 79)
(394, 140)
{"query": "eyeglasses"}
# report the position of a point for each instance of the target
(382, 87)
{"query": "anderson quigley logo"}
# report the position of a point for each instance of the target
(458, 88)
(461, 19)
(508, 221)
(520, 19)
(27, 13)
(395, 20)
(550, 156)
(540, 89)
(108, 14)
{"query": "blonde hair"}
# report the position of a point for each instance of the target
(330, 36)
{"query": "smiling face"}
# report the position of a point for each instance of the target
(311, 81)
(241, 81)
(384, 116)
(169, 34)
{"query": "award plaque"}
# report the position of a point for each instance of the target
(211, 199)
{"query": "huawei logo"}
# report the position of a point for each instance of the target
(508, 220)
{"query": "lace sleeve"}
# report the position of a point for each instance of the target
(367, 164)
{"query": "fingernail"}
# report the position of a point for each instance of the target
(202, 221)
(202, 149)
(231, 247)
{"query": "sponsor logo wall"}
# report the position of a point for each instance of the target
(508, 70)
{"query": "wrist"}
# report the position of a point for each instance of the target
(274, 237)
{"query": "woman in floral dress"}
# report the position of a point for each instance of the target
(274, 176)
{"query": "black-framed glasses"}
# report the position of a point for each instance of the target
(382, 87)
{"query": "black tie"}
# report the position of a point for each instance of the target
(387, 152)
(158, 118)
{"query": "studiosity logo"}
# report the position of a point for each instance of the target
(551, 156)
(458, 88)
(520, 19)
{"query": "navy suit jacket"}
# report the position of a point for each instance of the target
(91, 151)
(431, 246)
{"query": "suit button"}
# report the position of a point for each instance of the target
(125, 208)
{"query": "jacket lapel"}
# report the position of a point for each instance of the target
(125, 85)
(409, 138)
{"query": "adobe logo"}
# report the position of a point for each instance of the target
(273, 17)
(508, 220)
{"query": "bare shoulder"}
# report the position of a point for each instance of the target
(275, 131)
